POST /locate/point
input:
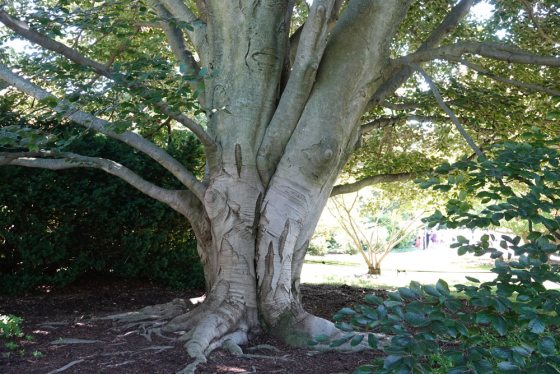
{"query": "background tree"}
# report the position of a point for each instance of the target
(279, 96)
(376, 225)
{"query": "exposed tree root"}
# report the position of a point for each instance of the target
(165, 311)
(220, 322)
(65, 367)
(216, 323)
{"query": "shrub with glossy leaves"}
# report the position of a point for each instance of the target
(509, 324)
(56, 226)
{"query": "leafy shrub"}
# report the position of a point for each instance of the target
(58, 226)
(509, 324)
(10, 328)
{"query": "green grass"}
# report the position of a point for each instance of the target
(361, 282)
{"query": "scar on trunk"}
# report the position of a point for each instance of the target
(282, 239)
(238, 159)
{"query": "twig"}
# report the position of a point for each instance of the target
(449, 112)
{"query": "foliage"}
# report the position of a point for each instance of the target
(509, 324)
(10, 328)
(58, 226)
(324, 241)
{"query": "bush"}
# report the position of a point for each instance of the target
(509, 324)
(10, 329)
(58, 226)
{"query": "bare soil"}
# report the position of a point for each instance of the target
(70, 313)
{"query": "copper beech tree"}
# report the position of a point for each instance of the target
(280, 94)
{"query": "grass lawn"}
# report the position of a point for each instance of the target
(398, 268)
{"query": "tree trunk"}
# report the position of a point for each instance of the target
(276, 157)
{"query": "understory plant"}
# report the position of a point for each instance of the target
(10, 329)
(508, 324)
(59, 226)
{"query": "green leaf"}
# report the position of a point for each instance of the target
(499, 324)
(500, 353)
(507, 366)
(321, 338)
(416, 319)
(392, 303)
(392, 361)
(372, 299)
(474, 280)
(347, 311)
(547, 346)
(536, 326)
(442, 287)
(341, 341)
(372, 341)
(523, 351)
(431, 290)
(356, 340)
(407, 293)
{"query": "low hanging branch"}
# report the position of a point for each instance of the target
(181, 12)
(523, 85)
(28, 33)
(400, 73)
(496, 51)
(383, 122)
(87, 120)
(374, 179)
(68, 160)
(449, 112)
(182, 54)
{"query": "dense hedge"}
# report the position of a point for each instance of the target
(58, 226)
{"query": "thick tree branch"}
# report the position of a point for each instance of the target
(312, 44)
(383, 122)
(369, 181)
(28, 33)
(179, 48)
(449, 112)
(496, 51)
(181, 12)
(524, 85)
(67, 160)
(400, 106)
(100, 125)
(397, 75)
(295, 37)
(380, 123)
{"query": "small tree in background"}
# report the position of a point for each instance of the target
(375, 227)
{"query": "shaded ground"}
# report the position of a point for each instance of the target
(69, 314)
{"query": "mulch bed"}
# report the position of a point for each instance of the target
(69, 314)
